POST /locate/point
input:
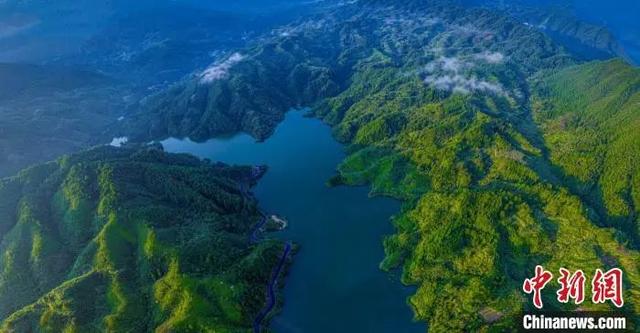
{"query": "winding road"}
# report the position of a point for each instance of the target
(255, 233)
(271, 291)
(254, 237)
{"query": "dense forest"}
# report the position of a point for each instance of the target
(71, 70)
(484, 204)
(480, 123)
(590, 120)
(131, 240)
(507, 148)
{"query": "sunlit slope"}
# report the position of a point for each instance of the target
(479, 212)
(435, 104)
(590, 115)
(130, 240)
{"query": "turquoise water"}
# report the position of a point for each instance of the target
(334, 284)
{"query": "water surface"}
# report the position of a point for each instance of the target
(335, 284)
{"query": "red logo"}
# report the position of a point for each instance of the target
(608, 287)
(536, 284)
(572, 286)
(605, 286)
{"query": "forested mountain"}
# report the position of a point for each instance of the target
(507, 148)
(590, 119)
(484, 202)
(131, 240)
(458, 112)
(70, 69)
(48, 111)
(156, 43)
(559, 20)
(305, 62)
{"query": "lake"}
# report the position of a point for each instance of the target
(334, 284)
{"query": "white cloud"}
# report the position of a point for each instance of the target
(451, 64)
(220, 70)
(451, 74)
(119, 141)
(490, 57)
(431, 21)
(310, 25)
(401, 20)
(461, 84)
(447, 64)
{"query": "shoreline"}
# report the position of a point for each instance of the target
(271, 292)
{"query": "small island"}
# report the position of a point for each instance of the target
(276, 223)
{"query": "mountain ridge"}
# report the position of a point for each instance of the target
(436, 110)
(121, 239)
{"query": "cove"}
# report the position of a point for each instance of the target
(334, 284)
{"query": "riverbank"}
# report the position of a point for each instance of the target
(335, 284)
(271, 290)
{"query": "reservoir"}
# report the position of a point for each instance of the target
(334, 284)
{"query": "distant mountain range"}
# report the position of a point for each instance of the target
(511, 137)
(48, 111)
(447, 107)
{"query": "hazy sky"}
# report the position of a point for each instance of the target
(31, 29)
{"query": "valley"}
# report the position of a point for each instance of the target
(454, 148)
(436, 111)
(337, 230)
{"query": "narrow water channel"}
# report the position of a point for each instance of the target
(335, 284)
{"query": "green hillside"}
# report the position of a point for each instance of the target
(590, 116)
(131, 240)
(468, 116)
(481, 210)
(303, 63)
